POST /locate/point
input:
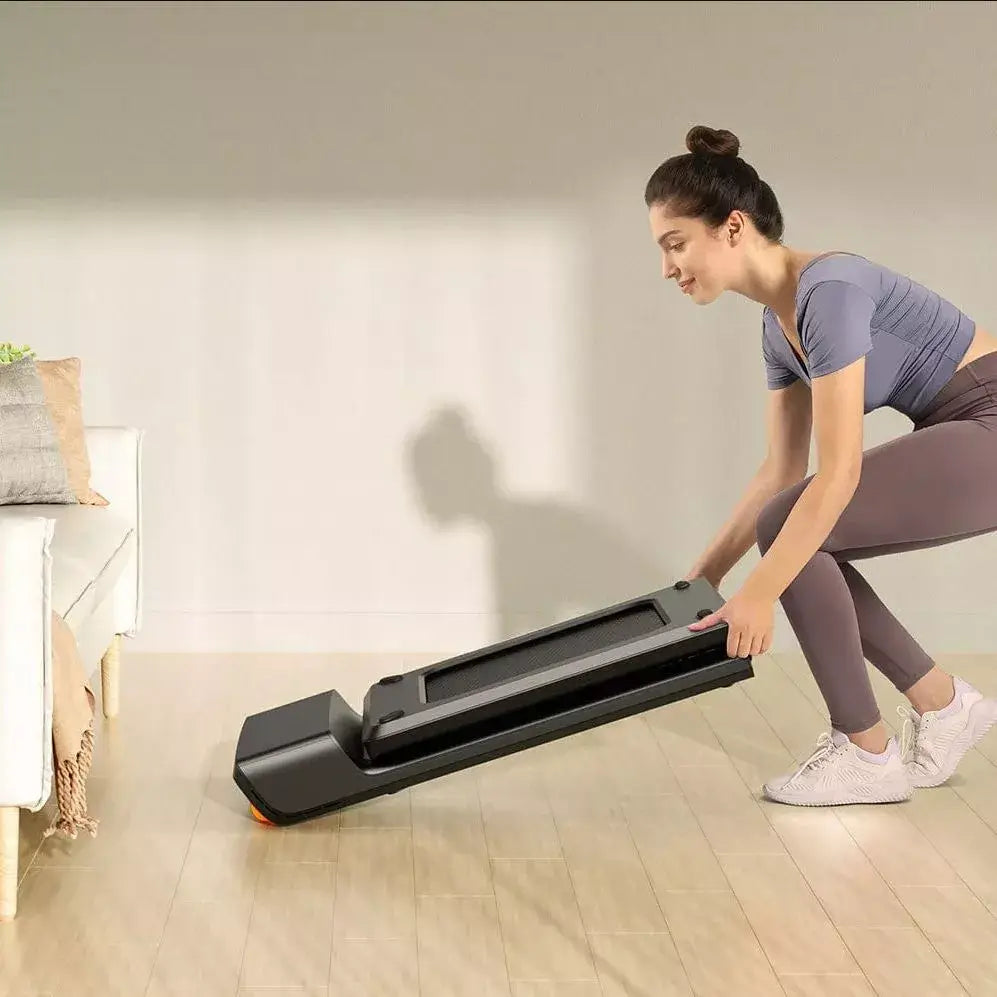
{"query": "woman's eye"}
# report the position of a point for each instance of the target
(676, 248)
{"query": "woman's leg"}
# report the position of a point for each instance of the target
(888, 645)
(933, 486)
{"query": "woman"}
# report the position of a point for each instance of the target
(841, 336)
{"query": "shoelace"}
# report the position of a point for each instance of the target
(913, 724)
(822, 754)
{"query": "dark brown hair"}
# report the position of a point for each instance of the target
(711, 180)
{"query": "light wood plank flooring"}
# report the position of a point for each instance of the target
(634, 859)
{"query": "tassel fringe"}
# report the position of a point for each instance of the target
(71, 792)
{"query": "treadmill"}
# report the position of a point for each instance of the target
(310, 757)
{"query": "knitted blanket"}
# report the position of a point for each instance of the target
(72, 733)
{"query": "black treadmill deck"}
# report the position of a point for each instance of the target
(407, 713)
(307, 758)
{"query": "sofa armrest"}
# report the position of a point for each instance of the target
(25, 661)
(116, 473)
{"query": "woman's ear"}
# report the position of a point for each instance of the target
(735, 227)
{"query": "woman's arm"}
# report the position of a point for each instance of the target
(838, 413)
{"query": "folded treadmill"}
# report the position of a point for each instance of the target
(316, 755)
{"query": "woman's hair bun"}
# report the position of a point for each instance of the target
(702, 140)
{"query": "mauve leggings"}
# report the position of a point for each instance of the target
(935, 485)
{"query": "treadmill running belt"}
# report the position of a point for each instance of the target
(543, 652)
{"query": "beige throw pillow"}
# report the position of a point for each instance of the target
(63, 399)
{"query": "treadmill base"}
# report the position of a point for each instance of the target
(305, 759)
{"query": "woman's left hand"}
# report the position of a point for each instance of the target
(750, 622)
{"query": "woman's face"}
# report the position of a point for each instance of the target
(700, 259)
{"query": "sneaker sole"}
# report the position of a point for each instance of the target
(982, 716)
(889, 792)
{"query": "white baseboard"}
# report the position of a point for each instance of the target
(452, 633)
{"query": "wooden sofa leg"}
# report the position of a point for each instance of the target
(110, 677)
(9, 822)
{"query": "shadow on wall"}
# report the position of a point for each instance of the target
(549, 561)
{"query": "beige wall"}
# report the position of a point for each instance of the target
(358, 266)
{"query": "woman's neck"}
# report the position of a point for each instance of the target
(772, 276)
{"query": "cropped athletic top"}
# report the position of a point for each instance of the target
(848, 307)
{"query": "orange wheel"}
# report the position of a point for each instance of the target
(259, 816)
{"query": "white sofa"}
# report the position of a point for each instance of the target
(85, 562)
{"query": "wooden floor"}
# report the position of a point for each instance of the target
(633, 859)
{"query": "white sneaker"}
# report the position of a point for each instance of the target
(839, 772)
(933, 744)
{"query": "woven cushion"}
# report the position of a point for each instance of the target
(32, 469)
